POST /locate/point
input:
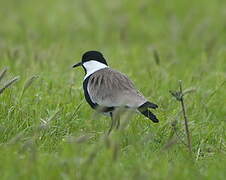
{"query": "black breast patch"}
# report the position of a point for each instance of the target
(87, 97)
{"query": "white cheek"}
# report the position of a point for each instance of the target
(93, 66)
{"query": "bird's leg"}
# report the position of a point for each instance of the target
(117, 122)
(118, 113)
(112, 123)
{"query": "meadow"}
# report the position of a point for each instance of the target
(48, 131)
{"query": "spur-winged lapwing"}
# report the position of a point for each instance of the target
(106, 89)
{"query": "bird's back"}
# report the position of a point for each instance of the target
(111, 88)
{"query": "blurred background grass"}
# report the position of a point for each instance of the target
(39, 128)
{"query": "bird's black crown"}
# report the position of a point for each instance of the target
(93, 55)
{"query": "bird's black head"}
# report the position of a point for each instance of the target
(93, 55)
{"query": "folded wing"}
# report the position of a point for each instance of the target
(111, 88)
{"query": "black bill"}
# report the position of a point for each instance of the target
(78, 64)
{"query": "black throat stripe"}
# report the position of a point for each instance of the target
(87, 97)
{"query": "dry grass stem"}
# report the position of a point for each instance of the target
(2, 74)
(9, 83)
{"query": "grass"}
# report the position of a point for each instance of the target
(48, 131)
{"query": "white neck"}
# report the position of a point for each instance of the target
(93, 66)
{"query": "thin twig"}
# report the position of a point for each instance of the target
(178, 136)
(185, 118)
(179, 95)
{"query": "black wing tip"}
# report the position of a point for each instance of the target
(152, 105)
(148, 105)
(155, 120)
(152, 117)
(149, 115)
(155, 106)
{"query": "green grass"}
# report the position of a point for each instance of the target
(44, 38)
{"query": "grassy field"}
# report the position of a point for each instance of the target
(48, 131)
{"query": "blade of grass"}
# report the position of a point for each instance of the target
(2, 74)
(9, 83)
(27, 85)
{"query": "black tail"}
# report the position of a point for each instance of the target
(148, 105)
(144, 110)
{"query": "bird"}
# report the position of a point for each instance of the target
(107, 90)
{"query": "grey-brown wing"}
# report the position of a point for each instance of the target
(111, 88)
